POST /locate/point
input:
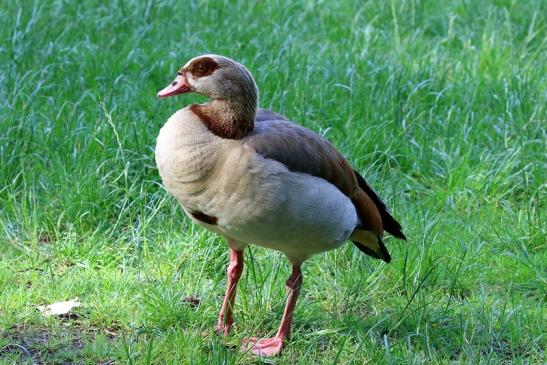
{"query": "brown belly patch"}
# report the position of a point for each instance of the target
(209, 219)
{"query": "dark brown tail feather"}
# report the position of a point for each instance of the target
(390, 224)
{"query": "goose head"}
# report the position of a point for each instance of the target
(216, 77)
(227, 83)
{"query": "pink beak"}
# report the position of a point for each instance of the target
(179, 86)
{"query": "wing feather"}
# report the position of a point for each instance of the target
(304, 151)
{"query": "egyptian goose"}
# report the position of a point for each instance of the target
(253, 176)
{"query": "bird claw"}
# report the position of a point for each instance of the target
(263, 346)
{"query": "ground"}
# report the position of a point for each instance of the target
(441, 105)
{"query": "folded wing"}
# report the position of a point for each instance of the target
(301, 150)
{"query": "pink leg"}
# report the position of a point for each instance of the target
(274, 345)
(225, 318)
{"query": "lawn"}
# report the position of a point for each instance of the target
(441, 105)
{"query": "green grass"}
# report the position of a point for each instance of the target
(440, 104)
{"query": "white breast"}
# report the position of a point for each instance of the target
(186, 155)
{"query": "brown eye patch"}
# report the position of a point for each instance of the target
(203, 66)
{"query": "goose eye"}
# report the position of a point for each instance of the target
(203, 67)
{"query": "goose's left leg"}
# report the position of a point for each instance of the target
(233, 273)
(274, 345)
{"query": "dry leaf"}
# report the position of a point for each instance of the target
(111, 334)
(58, 308)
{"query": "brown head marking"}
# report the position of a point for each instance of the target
(203, 66)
